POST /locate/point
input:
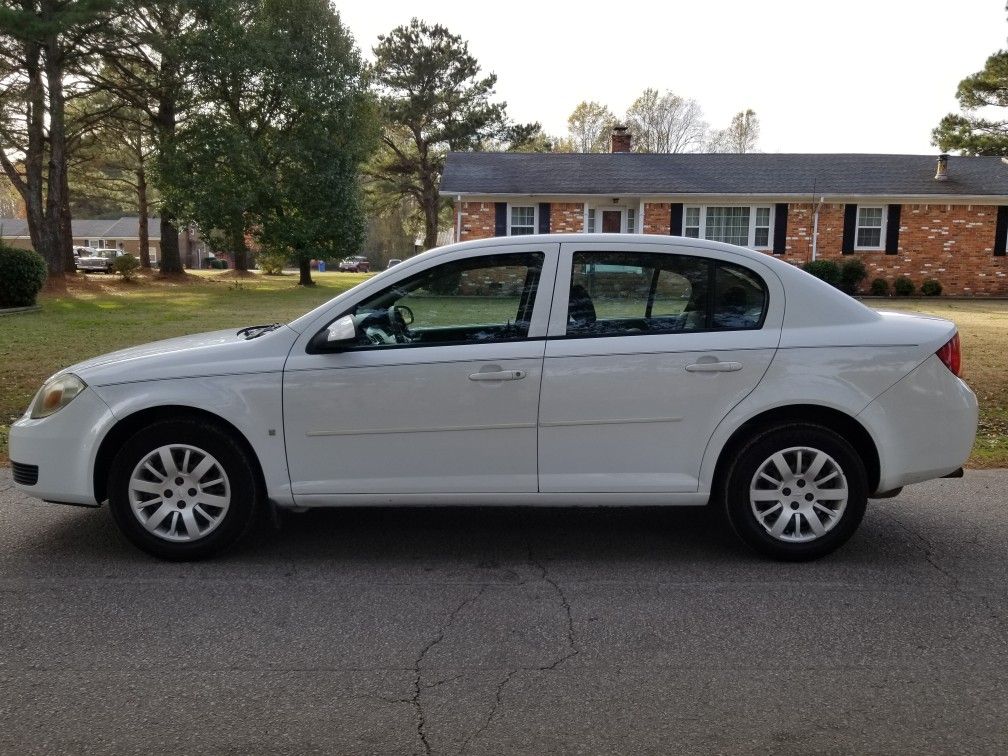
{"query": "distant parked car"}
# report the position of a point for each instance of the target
(393, 262)
(98, 260)
(79, 252)
(355, 264)
(764, 391)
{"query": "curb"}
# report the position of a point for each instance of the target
(19, 310)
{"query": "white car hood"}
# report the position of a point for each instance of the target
(214, 353)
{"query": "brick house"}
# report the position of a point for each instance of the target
(903, 215)
(122, 233)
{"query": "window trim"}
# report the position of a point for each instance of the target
(535, 217)
(882, 228)
(751, 240)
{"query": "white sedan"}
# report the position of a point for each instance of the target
(538, 370)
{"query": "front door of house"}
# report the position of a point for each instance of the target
(612, 221)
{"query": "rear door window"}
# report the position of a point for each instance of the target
(633, 293)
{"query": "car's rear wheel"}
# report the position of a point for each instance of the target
(797, 492)
(183, 489)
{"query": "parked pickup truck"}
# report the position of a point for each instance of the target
(98, 261)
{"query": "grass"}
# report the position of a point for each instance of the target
(97, 314)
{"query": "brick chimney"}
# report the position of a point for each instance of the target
(620, 139)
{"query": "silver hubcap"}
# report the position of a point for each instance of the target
(179, 493)
(798, 494)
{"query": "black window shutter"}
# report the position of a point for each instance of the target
(892, 230)
(780, 228)
(675, 219)
(1001, 231)
(544, 217)
(849, 228)
(500, 218)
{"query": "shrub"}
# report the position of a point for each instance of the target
(931, 288)
(852, 273)
(825, 270)
(271, 263)
(22, 274)
(126, 266)
(880, 288)
(903, 287)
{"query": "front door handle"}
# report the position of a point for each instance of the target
(499, 375)
(713, 367)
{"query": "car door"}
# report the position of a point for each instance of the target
(649, 347)
(448, 405)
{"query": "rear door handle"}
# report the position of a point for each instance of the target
(499, 375)
(713, 367)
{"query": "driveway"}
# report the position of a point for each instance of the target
(397, 631)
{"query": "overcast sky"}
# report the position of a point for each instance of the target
(853, 76)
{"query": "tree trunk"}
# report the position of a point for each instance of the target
(304, 265)
(171, 261)
(40, 222)
(66, 226)
(143, 232)
(430, 223)
(240, 251)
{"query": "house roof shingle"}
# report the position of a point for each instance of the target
(755, 173)
(87, 228)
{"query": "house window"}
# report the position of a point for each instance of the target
(727, 224)
(761, 232)
(691, 222)
(743, 225)
(523, 218)
(870, 226)
(590, 221)
(631, 220)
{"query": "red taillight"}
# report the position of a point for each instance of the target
(951, 355)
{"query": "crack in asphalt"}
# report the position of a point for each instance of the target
(927, 548)
(498, 697)
(572, 651)
(418, 685)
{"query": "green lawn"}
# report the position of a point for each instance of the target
(100, 314)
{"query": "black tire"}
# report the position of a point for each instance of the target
(246, 495)
(751, 459)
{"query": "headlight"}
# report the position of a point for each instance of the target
(55, 394)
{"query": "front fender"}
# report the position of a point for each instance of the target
(252, 403)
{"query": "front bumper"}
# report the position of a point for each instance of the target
(63, 447)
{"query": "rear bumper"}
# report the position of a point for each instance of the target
(924, 426)
(59, 451)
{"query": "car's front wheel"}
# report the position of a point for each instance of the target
(796, 492)
(183, 489)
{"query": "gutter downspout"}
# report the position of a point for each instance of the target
(815, 227)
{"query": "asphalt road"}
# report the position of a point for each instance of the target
(591, 631)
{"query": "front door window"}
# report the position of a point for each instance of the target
(478, 301)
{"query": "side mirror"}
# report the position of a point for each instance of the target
(341, 330)
(337, 335)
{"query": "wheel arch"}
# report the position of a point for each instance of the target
(839, 422)
(126, 426)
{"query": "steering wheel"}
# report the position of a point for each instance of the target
(399, 324)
